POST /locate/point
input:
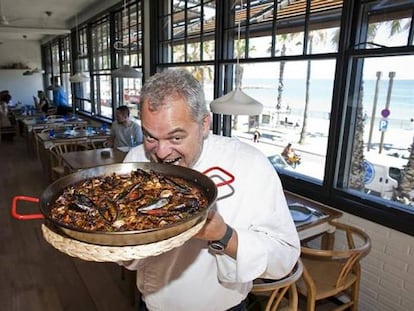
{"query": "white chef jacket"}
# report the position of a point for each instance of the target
(192, 278)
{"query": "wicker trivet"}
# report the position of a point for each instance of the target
(92, 252)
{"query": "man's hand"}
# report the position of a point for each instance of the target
(215, 229)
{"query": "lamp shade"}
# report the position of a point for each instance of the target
(37, 70)
(126, 71)
(236, 103)
(78, 78)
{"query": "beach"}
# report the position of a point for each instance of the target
(313, 151)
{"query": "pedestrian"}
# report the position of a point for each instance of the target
(256, 136)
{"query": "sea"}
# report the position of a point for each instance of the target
(400, 106)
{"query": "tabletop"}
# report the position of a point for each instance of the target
(40, 123)
(321, 215)
(67, 135)
(77, 160)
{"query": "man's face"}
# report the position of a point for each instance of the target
(121, 118)
(171, 135)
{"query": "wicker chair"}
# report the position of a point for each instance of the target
(333, 270)
(57, 167)
(273, 292)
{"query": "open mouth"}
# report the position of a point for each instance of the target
(172, 161)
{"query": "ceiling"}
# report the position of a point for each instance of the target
(37, 19)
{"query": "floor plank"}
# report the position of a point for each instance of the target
(33, 275)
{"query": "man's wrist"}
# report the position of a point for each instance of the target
(220, 245)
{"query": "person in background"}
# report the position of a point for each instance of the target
(42, 102)
(5, 118)
(248, 233)
(288, 152)
(256, 135)
(60, 99)
(125, 132)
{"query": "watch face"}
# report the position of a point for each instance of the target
(216, 246)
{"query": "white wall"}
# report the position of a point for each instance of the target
(387, 282)
(22, 88)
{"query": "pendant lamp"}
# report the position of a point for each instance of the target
(125, 71)
(34, 71)
(236, 102)
(78, 77)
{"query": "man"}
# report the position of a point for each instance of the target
(60, 99)
(124, 131)
(42, 102)
(251, 229)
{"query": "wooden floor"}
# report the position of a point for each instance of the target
(33, 275)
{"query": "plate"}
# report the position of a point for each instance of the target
(299, 212)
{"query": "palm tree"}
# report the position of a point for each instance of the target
(284, 38)
(403, 193)
(357, 172)
(320, 37)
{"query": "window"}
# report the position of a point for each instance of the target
(128, 51)
(187, 31)
(378, 153)
(57, 61)
(82, 90)
(101, 68)
(65, 63)
(187, 37)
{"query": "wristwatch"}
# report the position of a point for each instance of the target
(220, 245)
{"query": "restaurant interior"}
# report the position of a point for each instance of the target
(330, 78)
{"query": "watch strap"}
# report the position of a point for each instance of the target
(220, 245)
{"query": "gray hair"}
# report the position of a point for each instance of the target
(175, 82)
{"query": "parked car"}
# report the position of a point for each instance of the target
(278, 161)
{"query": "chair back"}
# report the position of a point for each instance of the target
(276, 290)
(57, 149)
(333, 259)
(54, 117)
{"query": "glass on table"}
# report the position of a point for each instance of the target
(52, 133)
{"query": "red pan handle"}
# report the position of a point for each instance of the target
(223, 183)
(25, 216)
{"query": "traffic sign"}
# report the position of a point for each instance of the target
(383, 125)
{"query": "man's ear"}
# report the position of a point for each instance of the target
(206, 122)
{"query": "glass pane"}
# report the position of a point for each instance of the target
(205, 75)
(103, 95)
(384, 127)
(384, 24)
(208, 50)
(131, 95)
(260, 46)
(388, 33)
(289, 44)
(293, 113)
(324, 22)
(187, 31)
(323, 41)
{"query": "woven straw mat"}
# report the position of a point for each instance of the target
(92, 252)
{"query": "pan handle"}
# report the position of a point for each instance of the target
(223, 183)
(26, 216)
